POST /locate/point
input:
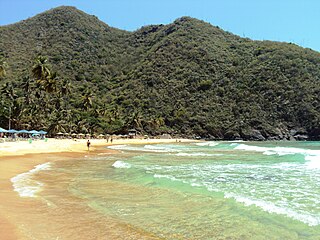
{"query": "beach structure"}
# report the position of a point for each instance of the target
(2, 130)
(101, 136)
(132, 133)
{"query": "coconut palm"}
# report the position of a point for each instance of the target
(40, 69)
(26, 86)
(87, 100)
(50, 83)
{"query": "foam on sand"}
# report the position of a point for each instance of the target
(121, 164)
(24, 183)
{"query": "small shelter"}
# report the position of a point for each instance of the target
(132, 133)
(101, 136)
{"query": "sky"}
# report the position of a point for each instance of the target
(295, 21)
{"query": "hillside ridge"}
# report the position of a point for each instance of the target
(186, 78)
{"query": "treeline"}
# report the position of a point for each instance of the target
(187, 78)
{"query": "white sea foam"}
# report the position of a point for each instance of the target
(146, 148)
(313, 162)
(309, 219)
(118, 147)
(154, 148)
(210, 144)
(200, 154)
(25, 185)
(172, 178)
(277, 150)
(121, 164)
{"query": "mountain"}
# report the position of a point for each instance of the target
(187, 78)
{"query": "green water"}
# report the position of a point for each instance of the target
(211, 190)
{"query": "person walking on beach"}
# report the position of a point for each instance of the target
(88, 144)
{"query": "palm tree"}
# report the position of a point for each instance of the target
(9, 91)
(50, 82)
(26, 85)
(87, 100)
(40, 69)
(136, 120)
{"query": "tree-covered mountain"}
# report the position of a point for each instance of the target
(187, 78)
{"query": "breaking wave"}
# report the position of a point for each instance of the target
(24, 183)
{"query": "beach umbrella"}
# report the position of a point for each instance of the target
(23, 131)
(12, 131)
(101, 135)
(34, 132)
(59, 133)
(2, 130)
(81, 134)
(73, 134)
(42, 132)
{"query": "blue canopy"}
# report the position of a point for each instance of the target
(23, 131)
(42, 132)
(12, 131)
(2, 130)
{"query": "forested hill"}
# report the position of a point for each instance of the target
(68, 71)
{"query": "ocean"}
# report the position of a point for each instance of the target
(204, 190)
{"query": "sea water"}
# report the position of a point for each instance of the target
(205, 190)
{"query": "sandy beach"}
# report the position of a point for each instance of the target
(20, 157)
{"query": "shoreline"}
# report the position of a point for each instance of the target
(21, 157)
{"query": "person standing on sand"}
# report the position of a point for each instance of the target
(88, 144)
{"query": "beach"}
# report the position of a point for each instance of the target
(159, 189)
(20, 157)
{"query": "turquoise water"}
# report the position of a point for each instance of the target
(209, 190)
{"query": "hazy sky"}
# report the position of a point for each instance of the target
(294, 21)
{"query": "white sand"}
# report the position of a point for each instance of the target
(69, 145)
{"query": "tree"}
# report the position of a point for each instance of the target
(50, 82)
(3, 66)
(87, 100)
(40, 69)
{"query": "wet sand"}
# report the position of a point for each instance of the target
(18, 158)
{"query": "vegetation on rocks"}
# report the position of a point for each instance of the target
(64, 70)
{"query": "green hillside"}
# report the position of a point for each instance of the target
(187, 78)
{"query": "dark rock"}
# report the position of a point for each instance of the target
(301, 137)
(252, 134)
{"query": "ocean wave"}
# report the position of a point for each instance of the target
(146, 148)
(160, 148)
(277, 150)
(121, 164)
(116, 147)
(172, 178)
(313, 162)
(25, 185)
(309, 219)
(210, 144)
(200, 154)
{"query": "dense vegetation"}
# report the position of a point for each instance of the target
(68, 71)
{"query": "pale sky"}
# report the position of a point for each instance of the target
(294, 21)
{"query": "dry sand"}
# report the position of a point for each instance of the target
(19, 157)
